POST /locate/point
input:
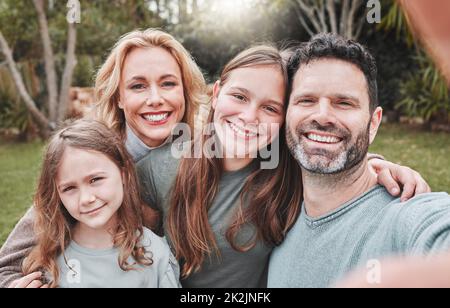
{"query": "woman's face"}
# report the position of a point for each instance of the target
(151, 94)
(249, 110)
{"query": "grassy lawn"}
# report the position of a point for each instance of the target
(19, 168)
(426, 152)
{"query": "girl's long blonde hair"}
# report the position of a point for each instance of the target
(108, 77)
(274, 195)
(53, 223)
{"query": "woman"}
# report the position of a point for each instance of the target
(223, 216)
(147, 85)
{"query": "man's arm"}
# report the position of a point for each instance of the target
(17, 247)
(411, 272)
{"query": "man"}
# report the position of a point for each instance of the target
(347, 220)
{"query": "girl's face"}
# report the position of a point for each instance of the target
(90, 187)
(151, 94)
(249, 109)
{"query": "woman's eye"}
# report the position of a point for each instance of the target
(169, 84)
(137, 87)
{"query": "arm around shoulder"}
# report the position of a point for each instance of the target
(17, 247)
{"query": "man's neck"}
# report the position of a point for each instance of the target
(323, 193)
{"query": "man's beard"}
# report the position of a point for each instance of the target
(322, 161)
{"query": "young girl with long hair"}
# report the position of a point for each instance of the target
(88, 217)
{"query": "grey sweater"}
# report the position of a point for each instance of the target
(232, 269)
(319, 251)
(16, 248)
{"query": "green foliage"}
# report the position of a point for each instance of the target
(395, 19)
(214, 37)
(13, 113)
(424, 93)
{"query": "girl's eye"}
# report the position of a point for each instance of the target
(271, 109)
(239, 97)
(94, 180)
(67, 189)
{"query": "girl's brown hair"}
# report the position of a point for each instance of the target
(53, 222)
(273, 196)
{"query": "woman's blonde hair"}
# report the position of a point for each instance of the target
(108, 77)
(54, 224)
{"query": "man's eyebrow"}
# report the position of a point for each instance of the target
(302, 95)
(337, 95)
(347, 96)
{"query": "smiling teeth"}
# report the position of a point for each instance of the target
(156, 117)
(241, 132)
(323, 138)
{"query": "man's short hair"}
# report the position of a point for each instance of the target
(333, 46)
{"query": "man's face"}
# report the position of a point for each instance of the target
(329, 123)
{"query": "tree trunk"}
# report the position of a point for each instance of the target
(40, 118)
(194, 7)
(182, 11)
(158, 7)
(68, 71)
(319, 16)
(50, 71)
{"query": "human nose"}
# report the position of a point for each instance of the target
(250, 114)
(155, 98)
(86, 196)
(324, 113)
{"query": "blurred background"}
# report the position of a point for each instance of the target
(40, 41)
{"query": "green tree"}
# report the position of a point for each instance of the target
(425, 92)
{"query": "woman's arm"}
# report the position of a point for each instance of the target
(19, 244)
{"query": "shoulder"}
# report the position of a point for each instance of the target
(159, 156)
(161, 253)
(424, 204)
(421, 215)
(155, 244)
(159, 162)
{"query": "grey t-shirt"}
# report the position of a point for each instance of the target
(86, 268)
(157, 173)
(319, 251)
